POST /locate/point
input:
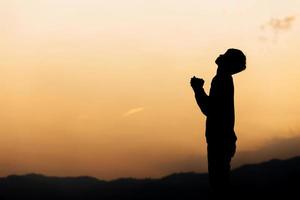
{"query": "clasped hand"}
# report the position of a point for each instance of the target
(196, 83)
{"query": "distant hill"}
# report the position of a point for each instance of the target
(275, 179)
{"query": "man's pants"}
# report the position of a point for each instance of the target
(219, 156)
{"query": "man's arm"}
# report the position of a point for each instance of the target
(201, 97)
(202, 100)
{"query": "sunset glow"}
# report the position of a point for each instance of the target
(101, 88)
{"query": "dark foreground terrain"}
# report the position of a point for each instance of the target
(275, 179)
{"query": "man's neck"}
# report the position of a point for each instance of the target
(222, 72)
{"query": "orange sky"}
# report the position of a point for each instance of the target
(101, 88)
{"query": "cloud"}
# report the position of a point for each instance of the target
(133, 111)
(277, 24)
(279, 148)
(183, 163)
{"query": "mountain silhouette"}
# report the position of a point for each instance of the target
(275, 179)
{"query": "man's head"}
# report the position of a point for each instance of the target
(232, 62)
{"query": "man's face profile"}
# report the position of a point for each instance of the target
(233, 61)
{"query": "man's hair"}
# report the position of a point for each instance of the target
(236, 60)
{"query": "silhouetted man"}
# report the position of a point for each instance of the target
(219, 110)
